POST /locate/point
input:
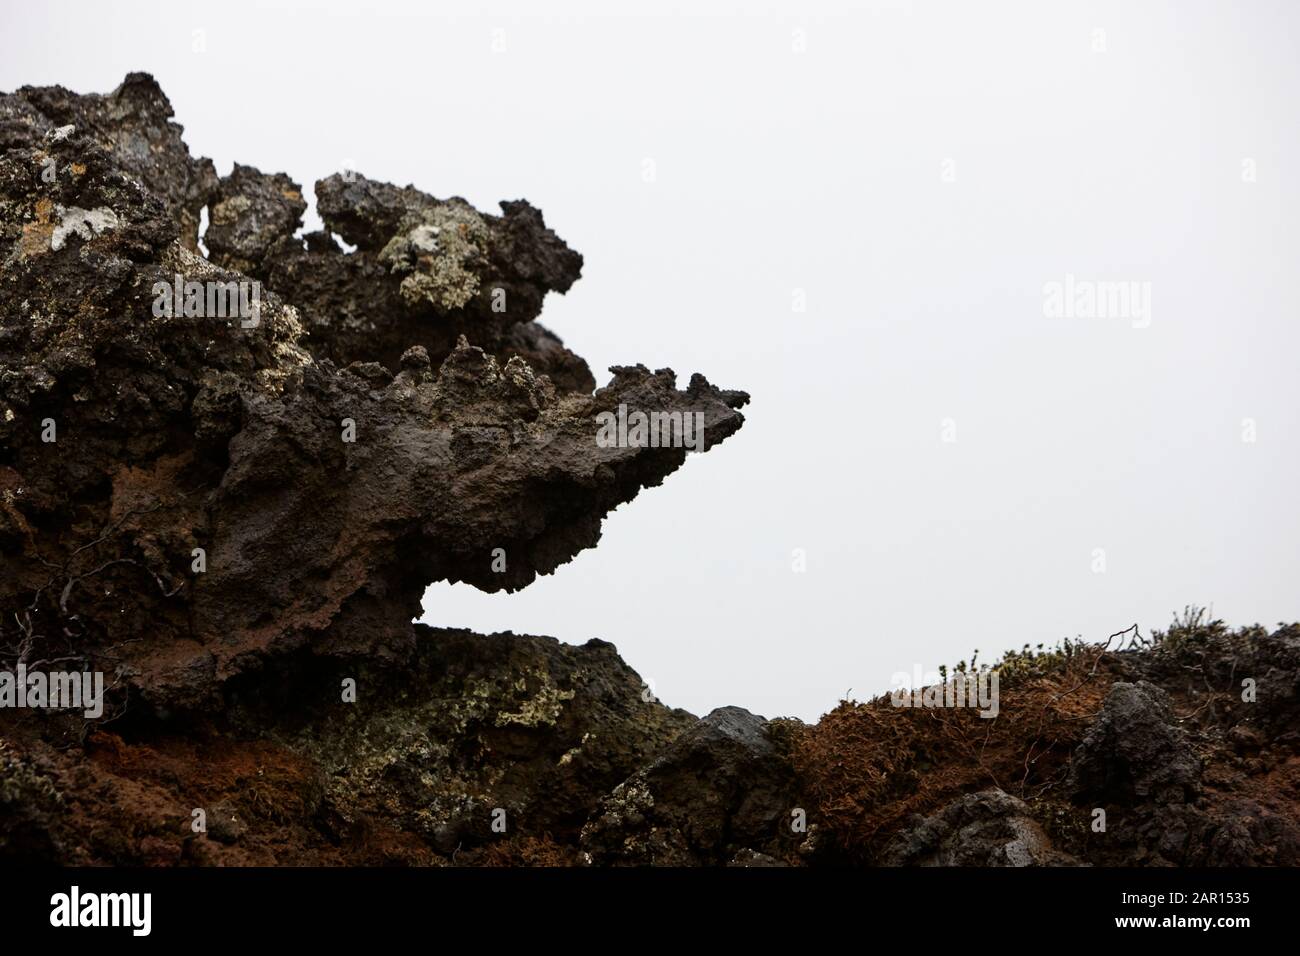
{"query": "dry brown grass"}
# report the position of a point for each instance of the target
(867, 767)
(527, 851)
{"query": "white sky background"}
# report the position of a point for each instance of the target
(824, 171)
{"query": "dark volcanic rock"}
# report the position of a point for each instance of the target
(228, 491)
(132, 124)
(419, 765)
(990, 828)
(723, 792)
(1143, 770)
(253, 215)
(424, 272)
(1247, 834)
(1134, 753)
(213, 493)
(524, 726)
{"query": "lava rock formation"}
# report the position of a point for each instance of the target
(233, 514)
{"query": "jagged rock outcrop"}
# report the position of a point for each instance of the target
(226, 481)
(132, 125)
(187, 493)
(424, 271)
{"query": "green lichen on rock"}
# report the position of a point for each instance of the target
(438, 250)
(524, 724)
(30, 799)
(541, 709)
(22, 783)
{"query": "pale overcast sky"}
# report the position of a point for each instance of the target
(856, 214)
